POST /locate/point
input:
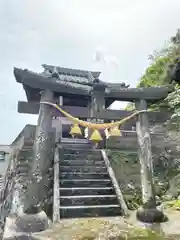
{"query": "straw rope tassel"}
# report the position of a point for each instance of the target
(75, 130)
(96, 136)
(115, 132)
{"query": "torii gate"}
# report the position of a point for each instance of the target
(97, 94)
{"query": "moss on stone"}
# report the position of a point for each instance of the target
(173, 205)
(127, 171)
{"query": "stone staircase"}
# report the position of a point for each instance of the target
(86, 189)
(1, 182)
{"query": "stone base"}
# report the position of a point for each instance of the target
(11, 232)
(32, 222)
(23, 226)
(33, 210)
(150, 215)
(21, 236)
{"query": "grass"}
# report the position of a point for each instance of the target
(102, 229)
(99, 229)
(173, 205)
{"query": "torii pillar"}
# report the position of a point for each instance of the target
(42, 150)
(148, 212)
(97, 103)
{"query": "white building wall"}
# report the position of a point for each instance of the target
(4, 160)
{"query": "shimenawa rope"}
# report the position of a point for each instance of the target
(97, 126)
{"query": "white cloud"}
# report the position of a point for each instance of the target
(68, 32)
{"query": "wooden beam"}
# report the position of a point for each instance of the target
(83, 112)
(133, 94)
(33, 108)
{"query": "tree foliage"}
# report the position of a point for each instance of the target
(159, 74)
(159, 71)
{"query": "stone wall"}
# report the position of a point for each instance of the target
(23, 167)
(127, 171)
(13, 192)
(6, 149)
(9, 200)
(7, 189)
(166, 162)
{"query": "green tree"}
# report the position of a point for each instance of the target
(159, 74)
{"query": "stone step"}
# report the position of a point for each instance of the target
(88, 200)
(80, 175)
(23, 168)
(90, 211)
(77, 146)
(28, 142)
(1, 182)
(86, 189)
(83, 169)
(80, 150)
(23, 163)
(24, 159)
(75, 141)
(26, 154)
(26, 149)
(74, 191)
(83, 156)
(86, 183)
(22, 174)
(81, 162)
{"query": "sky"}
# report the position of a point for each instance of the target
(68, 33)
